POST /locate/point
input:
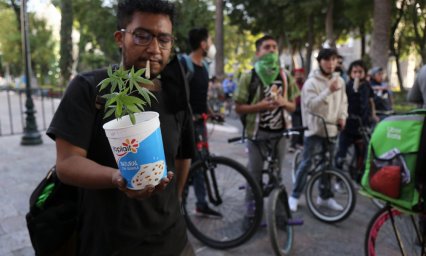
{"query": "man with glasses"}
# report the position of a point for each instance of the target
(113, 220)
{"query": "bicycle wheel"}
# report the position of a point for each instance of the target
(280, 234)
(378, 203)
(381, 239)
(231, 179)
(335, 186)
(297, 158)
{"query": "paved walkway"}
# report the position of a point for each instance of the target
(22, 168)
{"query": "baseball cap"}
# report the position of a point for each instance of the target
(375, 70)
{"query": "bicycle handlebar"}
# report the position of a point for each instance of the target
(289, 131)
(324, 122)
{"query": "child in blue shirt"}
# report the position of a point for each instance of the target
(360, 101)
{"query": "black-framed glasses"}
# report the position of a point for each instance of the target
(144, 38)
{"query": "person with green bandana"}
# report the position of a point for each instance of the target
(263, 95)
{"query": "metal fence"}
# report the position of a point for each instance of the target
(12, 108)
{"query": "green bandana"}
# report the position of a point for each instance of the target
(267, 68)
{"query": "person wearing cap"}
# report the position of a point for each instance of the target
(417, 94)
(324, 93)
(296, 116)
(383, 98)
(229, 87)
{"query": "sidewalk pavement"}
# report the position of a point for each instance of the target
(23, 167)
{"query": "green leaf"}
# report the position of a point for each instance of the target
(119, 107)
(150, 93)
(123, 92)
(106, 80)
(132, 108)
(141, 107)
(109, 71)
(132, 100)
(111, 100)
(145, 95)
(120, 84)
(109, 113)
(114, 85)
(143, 80)
(132, 118)
(139, 72)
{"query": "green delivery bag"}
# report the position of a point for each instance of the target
(396, 165)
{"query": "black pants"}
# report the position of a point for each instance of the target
(296, 119)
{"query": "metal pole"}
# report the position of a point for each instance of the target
(31, 134)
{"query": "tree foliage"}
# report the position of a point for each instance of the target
(42, 44)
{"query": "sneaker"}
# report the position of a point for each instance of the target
(340, 187)
(292, 203)
(330, 203)
(247, 221)
(291, 149)
(209, 213)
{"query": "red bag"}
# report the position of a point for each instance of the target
(387, 181)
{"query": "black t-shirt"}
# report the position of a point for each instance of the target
(272, 120)
(198, 89)
(358, 104)
(110, 223)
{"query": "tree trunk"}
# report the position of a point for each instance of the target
(420, 39)
(363, 45)
(300, 53)
(220, 58)
(395, 52)
(65, 63)
(398, 72)
(311, 41)
(329, 25)
(379, 50)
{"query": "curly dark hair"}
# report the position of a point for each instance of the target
(126, 9)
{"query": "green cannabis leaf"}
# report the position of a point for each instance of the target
(127, 83)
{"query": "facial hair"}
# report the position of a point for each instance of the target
(129, 66)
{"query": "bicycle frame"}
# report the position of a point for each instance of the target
(361, 153)
(204, 155)
(398, 235)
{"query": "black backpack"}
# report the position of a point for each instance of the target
(53, 226)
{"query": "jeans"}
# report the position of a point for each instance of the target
(311, 145)
(198, 179)
(345, 140)
(255, 165)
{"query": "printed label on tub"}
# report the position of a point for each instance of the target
(141, 160)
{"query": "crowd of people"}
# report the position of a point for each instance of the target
(114, 220)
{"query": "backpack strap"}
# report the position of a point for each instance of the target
(189, 67)
(284, 77)
(254, 85)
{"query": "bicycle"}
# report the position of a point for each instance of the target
(357, 157)
(225, 180)
(336, 185)
(279, 221)
(395, 231)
